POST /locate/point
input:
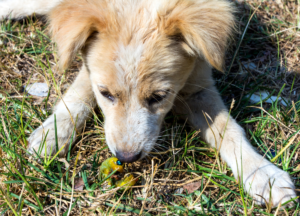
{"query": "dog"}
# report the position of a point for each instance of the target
(143, 58)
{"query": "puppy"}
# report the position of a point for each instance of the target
(143, 58)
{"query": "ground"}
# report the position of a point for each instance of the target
(183, 176)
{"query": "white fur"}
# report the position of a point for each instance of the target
(15, 9)
(140, 133)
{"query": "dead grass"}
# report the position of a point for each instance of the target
(267, 60)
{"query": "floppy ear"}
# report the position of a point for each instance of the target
(204, 25)
(71, 24)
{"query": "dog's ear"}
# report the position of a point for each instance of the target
(203, 25)
(72, 23)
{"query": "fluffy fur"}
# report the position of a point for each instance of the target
(19, 8)
(141, 59)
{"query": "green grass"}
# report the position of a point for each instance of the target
(46, 188)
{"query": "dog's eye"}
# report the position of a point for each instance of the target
(107, 95)
(157, 97)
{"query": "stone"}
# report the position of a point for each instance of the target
(37, 89)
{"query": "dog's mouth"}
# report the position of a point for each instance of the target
(136, 150)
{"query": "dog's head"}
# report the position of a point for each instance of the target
(139, 54)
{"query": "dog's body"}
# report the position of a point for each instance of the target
(141, 59)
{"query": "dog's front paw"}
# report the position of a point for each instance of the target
(269, 185)
(43, 140)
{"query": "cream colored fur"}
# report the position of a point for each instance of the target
(134, 49)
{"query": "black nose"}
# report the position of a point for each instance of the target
(127, 157)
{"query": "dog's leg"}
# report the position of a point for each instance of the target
(222, 132)
(15, 9)
(74, 108)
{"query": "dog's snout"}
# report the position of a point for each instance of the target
(128, 157)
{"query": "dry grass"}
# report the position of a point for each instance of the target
(266, 60)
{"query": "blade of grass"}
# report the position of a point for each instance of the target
(7, 200)
(28, 185)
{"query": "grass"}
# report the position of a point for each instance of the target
(266, 60)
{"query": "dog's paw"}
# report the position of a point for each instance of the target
(43, 140)
(269, 185)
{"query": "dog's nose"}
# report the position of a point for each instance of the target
(128, 157)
